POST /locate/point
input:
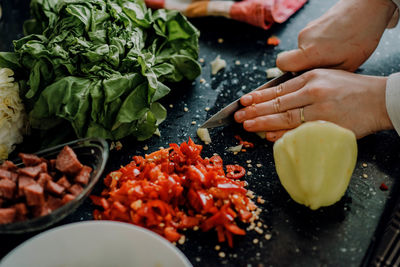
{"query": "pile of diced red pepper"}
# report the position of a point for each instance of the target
(175, 188)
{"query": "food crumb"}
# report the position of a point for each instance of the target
(221, 254)
(259, 230)
(217, 64)
(202, 80)
(220, 40)
(206, 108)
(181, 240)
(171, 106)
(193, 122)
(250, 194)
(259, 224)
(260, 200)
(234, 255)
(248, 161)
(365, 175)
(217, 247)
(185, 109)
(255, 241)
(118, 145)
(249, 173)
(112, 146)
(161, 148)
(198, 259)
(259, 165)
(249, 165)
(145, 148)
(268, 236)
(201, 60)
(365, 165)
(195, 228)
(237, 62)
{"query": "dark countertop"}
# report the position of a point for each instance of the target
(335, 236)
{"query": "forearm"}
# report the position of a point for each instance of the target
(393, 100)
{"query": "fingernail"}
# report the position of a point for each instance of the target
(247, 99)
(239, 115)
(249, 123)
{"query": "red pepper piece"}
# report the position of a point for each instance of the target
(383, 187)
(235, 171)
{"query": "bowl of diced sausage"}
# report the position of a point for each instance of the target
(41, 189)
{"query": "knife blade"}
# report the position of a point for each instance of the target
(225, 116)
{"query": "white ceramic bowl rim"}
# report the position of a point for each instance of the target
(171, 249)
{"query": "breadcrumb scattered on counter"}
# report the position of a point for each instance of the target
(220, 40)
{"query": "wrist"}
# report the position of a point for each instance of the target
(383, 118)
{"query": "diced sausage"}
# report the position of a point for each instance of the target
(41, 210)
(54, 188)
(44, 178)
(84, 175)
(22, 211)
(63, 181)
(54, 203)
(68, 162)
(67, 198)
(52, 164)
(14, 176)
(9, 166)
(75, 189)
(29, 159)
(5, 174)
(7, 188)
(34, 195)
(7, 215)
(32, 171)
(23, 182)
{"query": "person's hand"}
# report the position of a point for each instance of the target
(353, 101)
(343, 38)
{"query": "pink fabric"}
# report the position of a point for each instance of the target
(263, 13)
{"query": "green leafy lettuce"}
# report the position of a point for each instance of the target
(101, 65)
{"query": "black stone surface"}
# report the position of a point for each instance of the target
(335, 236)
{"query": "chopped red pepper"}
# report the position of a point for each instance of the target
(383, 187)
(273, 40)
(235, 171)
(245, 144)
(175, 188)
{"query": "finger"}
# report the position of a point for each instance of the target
(277, 105)
(275, 122)
(294, 60)
(274, 136)
(260, 96)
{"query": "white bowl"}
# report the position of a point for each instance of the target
(96, 243)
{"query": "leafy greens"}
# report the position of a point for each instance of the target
(101, 65)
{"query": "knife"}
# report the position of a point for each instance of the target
(225, 116)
